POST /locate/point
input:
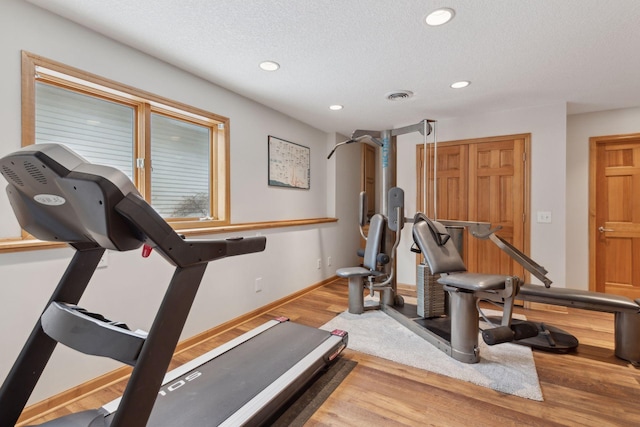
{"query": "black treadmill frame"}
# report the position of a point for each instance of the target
(123, 222)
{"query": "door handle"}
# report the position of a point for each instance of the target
(604, 230)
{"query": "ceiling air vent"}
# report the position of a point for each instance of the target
(399, 95)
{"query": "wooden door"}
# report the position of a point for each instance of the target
(451, 201)
(368, 177)
(614, 223)
(497, 196)
(452, 180)
(483, 180)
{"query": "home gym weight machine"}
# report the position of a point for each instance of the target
(456, 334)
(392, 201)
(58, 196)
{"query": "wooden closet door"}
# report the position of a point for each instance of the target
(452, 182)
(451, 202)
(497, 195)
(482, 180)
(368, 177)
(615, 215)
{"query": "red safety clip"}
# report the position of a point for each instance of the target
(146, 251)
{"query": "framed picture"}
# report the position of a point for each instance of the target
(289, 164)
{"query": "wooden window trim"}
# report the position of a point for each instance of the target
(144, 103)
(29, 244)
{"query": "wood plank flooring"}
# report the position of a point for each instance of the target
(588, 388)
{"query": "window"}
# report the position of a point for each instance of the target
(175, 154)
(180, 167)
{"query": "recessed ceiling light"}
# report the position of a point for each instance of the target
(269, 65)
(460, 84)
(336, 107)
(440, 16)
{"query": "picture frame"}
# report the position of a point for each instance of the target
(289, 164)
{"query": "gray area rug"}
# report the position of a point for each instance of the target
(507, 368)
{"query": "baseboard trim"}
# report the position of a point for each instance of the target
(65, 398)
(545, 307)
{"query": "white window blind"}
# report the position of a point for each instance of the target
(101, 131)
(180, 172)
(176, 154)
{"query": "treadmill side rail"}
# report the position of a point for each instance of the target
(246, 380)
(263, 405)
(182, 370)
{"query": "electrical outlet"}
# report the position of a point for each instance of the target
(328, 261)
(544, 217)
(258, 284)
(318, 263)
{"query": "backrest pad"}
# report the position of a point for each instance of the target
(374, 241)
(441, 258)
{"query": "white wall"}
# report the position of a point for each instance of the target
(560, 179)
(580, 128)
(547, 125)
(131, 288)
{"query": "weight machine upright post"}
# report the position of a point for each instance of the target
(388, 165)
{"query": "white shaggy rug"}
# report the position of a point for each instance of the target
(507, 368)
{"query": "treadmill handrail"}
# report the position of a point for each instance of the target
(180, 252)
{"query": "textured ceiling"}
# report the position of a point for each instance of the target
(515, 53)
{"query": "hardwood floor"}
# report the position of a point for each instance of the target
(588, 388)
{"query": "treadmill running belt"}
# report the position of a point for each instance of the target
(210, 393)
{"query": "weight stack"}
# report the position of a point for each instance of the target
(431, 295)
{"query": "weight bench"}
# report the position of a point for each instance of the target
(465, 290)
(626, 311)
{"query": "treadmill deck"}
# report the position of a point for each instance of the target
(210, 393)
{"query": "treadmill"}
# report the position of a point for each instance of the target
(59, 196)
